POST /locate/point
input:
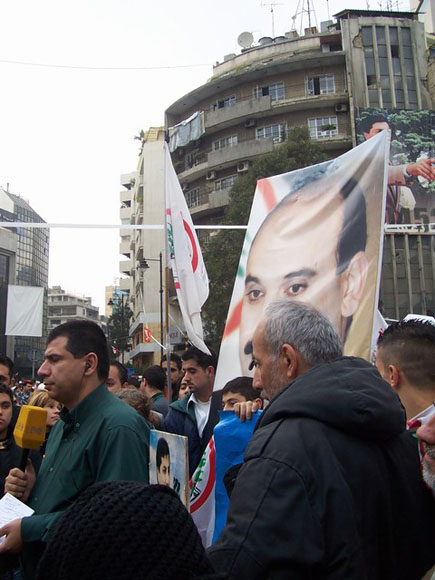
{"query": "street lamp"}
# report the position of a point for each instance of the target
(120, 302)
(143, 264)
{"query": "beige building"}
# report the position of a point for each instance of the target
(64, 306)
(143, 266)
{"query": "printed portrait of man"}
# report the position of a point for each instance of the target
(314, 235)
(311, 248)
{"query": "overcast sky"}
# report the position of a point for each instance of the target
(66, 134)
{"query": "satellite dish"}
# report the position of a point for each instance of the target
(245, 40)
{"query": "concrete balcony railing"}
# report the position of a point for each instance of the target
(243, 150)
(125, 284)
(124, 248)
(125, 196)
(208, 200)
(125, 266)
(129, 179)
(242, 109)
(125, 213)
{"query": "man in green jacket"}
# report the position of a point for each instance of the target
(99, 438)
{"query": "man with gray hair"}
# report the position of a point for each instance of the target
(330, 487)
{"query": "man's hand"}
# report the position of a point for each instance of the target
(20, 484)
(12, 542)
(423, 168)
(245, 410)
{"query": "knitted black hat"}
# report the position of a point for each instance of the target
(118, 530)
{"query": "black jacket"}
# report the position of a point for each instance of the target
(331, 486)
(181, 420)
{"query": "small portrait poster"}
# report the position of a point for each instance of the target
(169, 462)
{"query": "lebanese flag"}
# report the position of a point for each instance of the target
(185, 257)
(202, 495)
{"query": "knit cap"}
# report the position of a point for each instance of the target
(130, 530)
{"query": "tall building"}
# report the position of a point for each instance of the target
(143, 266)
(31, 269)
(8, 258)
(64, 306)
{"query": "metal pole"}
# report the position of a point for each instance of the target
(161, 307)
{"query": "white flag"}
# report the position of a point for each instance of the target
(24, 311)
(185, 257)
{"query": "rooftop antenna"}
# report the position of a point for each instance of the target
(304, 7)
(272, 5)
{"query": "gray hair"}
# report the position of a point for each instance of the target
(305, 328)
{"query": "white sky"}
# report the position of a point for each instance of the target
(66, 135)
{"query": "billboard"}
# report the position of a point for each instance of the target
(411, 176)
(314, 235)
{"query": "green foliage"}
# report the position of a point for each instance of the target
(222, 252)
(118, 325)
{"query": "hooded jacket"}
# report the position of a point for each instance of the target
(331, 486)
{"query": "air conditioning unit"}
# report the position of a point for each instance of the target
(250, 123)
(341, 107)
(242, 166)
(210, 175)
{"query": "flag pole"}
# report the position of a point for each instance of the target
(167, 342)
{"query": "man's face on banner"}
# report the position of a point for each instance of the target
(294, 256)
(376, 128)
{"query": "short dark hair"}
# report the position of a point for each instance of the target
(367, 122)
(174, 358)
(201, 358)
(410, 345)
(155, 376)
(7, 391)
(7, 362)
(122, 371)
(161, 451)
(243, 386)
(84, 336)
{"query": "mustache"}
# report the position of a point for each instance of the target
(429, 450)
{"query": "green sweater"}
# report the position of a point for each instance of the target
(102, 439)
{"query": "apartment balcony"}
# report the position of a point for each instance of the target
(125, 267)
(207, 200)
(243, 150)
(125, 284)
(339, 141)
(125, 213)
(128, 180)
(221, 118)
(310, 102)
(124, 248)
(125, 196)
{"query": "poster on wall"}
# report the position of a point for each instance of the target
(169, 462)
(411, 174)
(314, 235)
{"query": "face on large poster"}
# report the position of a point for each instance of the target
(411, 171)
(314, 235)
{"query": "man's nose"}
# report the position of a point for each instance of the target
(43, 369)
(256, 381)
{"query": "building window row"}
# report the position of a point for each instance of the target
(225, 102)
(275, 131)
(225, 142)
(192, 197)
(224, 183)
(320, 85)
(323, 127)
(275, 91)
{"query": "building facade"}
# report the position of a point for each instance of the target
(64, 306)
(143, 270)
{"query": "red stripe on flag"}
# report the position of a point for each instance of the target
(234, 321)
(211, 480)
(177, 285)
(267, 192)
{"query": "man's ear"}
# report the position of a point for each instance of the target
(291, 361)
(394, 377)
(354, 279)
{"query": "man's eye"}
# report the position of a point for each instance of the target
(296, 289)
(254, 295)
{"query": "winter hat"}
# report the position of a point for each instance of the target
(121, 529)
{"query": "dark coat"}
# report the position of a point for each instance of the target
(181, 420)
(331, 486)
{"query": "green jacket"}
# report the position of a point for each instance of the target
(102, 439)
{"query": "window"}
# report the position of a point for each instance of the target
(192, 198)
(224, 183)
(225, 102)
(321, 85)
(275, 91)
(274, 131)
(323, 127)
(225, 142)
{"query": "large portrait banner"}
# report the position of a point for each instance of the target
(314, 235)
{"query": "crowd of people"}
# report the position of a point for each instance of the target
(337, 482)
